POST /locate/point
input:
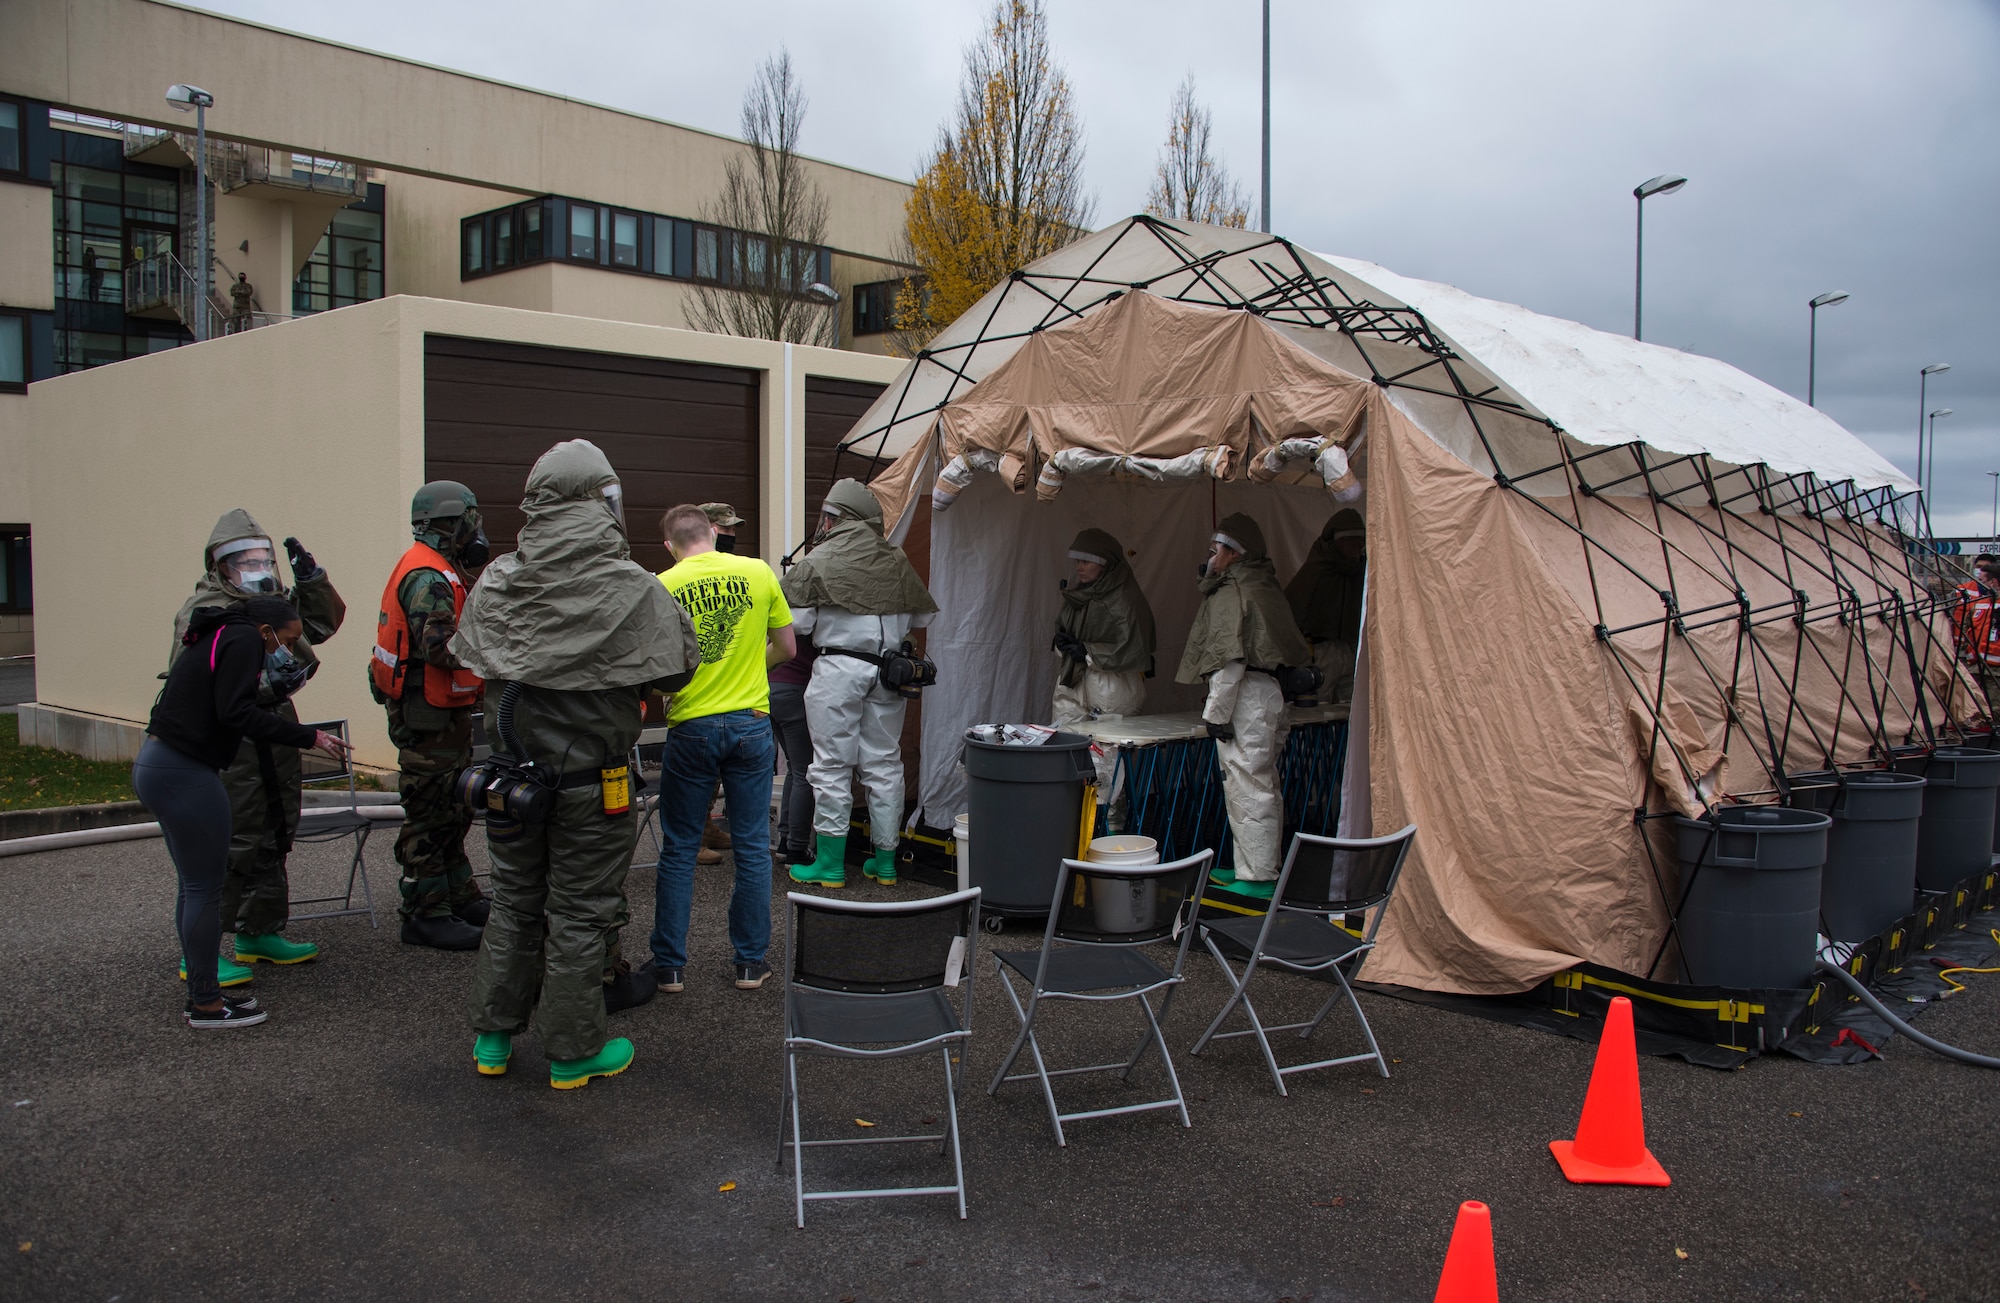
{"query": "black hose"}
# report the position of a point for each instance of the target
(1867, 997)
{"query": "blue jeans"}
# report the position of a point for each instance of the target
(737, 748)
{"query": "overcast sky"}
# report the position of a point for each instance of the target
(1829, 145)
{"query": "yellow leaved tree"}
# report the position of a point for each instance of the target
(1003, 185)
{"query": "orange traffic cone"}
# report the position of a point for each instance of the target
(1610, 1145)
(1468, 1275)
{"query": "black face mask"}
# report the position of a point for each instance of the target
(477, 552)
(725, 542)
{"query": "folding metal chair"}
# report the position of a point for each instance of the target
(1321, 876)
(874, 974)
(318, 769)
(1104, 913)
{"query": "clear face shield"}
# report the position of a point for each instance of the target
(614, 501)
(828, 518)
(249, 565)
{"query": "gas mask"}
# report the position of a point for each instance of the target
(284, 673)
(248, 565)
(469, 543)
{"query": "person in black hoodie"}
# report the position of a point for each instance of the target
(208, 706)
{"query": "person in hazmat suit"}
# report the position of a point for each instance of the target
(1242, 634)
(239, 563)
(570, 635)
(857, 596)
(1104, 634)
(1325, 597)
(430, 698)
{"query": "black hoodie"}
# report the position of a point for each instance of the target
(210, 702)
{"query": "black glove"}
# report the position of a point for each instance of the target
(303, 565)
(1222, 732)
(1070, 645)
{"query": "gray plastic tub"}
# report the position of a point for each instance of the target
(1955, 835)
(1751, 880)
(1870, 879)
(1026, 804)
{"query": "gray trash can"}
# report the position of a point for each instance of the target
(1751, 878)
(1955, 835)
(1026, 807)
(1870, 879)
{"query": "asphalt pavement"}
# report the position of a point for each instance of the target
(347, 1149)
(17, 680)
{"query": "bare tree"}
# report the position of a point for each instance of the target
(1003, 184)
(778, 214)
(1189, 181)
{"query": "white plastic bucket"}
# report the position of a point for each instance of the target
(961, 834)
(1124, 906)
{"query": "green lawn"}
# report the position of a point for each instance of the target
(33, 778)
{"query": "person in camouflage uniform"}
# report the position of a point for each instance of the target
(238, 563)
(429, 698)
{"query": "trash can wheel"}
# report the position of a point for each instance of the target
(993, 923)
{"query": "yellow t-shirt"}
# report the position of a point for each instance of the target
(734, 602)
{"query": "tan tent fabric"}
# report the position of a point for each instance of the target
(1149, 377)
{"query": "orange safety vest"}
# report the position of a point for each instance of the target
(447, 690)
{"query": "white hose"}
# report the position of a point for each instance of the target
(1867, 997)
(131, 832)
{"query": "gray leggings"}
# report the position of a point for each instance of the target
(187, 797)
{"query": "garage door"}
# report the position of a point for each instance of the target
(832, 408)
(674, 431)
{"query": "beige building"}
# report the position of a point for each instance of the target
(445, 275)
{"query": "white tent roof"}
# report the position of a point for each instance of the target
(1606, 389)
(1485, 379)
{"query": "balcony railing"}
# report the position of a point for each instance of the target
(232, 166)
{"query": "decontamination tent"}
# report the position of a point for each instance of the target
(1609, 582)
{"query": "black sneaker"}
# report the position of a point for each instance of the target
(672, 980)
(751, 976)
(244, 1003)
(630, 989)
(230, 1014)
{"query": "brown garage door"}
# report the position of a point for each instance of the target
(674, 431)
(832, 408)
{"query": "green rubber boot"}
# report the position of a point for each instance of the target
(829, 866)
(1222, 877)
(1253, 889)
(614, 1058)
(228, 974)
(881, 867)
(491, 1051)
(271, 948)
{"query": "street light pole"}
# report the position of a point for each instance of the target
(184, 97)
(1659, 185)
(1264, 213)
(1930, 465)
(1826, 300)
(1995, 477)
(1923, 380)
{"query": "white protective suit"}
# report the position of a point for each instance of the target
(1255, 707)
(856, 723)
(1097, 693)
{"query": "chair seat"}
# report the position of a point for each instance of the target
(871, 1019)
(1299, 938)
(1076, 970)
(327, 827)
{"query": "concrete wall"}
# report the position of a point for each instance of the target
(316, 427)
(115, 57)
(27, 280)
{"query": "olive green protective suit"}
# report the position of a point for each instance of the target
(1325, 597)
(1244, 626)
(433, 744)
(572, 632)
(1112, 619)
(256, 897)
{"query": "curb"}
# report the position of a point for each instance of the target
(70, 818)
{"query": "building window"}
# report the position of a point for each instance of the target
(346, 265)
(109, 212)
(624, 239)
(13, 352)
(583, 232)
(707, 261)
(531, 233)
(875, 307)
(473, 237)
(503, 240)
(13, 137)
(17, 575)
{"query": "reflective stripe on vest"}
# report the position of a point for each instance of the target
(389, 667)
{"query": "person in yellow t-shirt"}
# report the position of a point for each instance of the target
(719, 727)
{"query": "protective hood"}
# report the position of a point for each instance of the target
(1109, 614)
(212, 589)
(569, 609)
(1243, 617)
(1245, 531)
(1325, 594)
(854, 567)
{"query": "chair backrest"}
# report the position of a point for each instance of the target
(868, 948)
(1328, 875)
(1125, 904)
(318, 769)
